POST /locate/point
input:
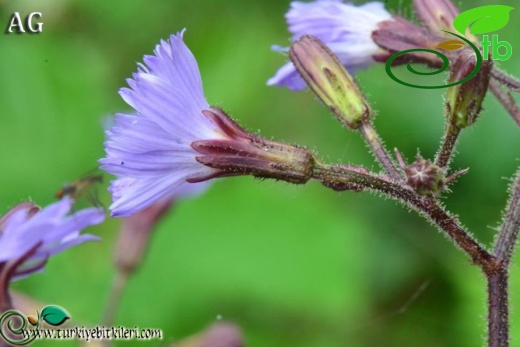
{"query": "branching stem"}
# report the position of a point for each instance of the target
(338, 176)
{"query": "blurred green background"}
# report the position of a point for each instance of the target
(292, 265)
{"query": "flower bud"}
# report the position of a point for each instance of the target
(329, 80)
(436, 15)
(135, 235)
(464, 101)
(425, 178)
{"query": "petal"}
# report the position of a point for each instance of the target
(66, 245)
(149, 164)
(169, 92)
(138, 134)
(53, 212)
(51, 227)
(24, 206)
(345, 28)
(150, 152)
(143, 193)
(139, 194)
(72, 224)
(287, 76)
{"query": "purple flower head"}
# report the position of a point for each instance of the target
(29, 236)
(175, 138)
(346, 29)
(150, 151)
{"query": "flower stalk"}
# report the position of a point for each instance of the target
(117, 290)
(131, 248)
(449, 142)
(505, 98)
(374, 142)
(503, 78)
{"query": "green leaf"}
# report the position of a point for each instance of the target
(483, 19)
(451, 45)
(54, 315)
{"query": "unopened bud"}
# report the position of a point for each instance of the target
(425, 178)
(135, 235)
(464, 101)
(329, 80)
(248, 154)
(436, 15)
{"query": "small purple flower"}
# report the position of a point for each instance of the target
(151, 152)
(29, 236)
(346, 29)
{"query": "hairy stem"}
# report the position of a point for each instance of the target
(374, 142)
(505, 79)
(498, 311)
(506, 99)
(462, 238)
(447, 150)
(508, 235)
(339, 176)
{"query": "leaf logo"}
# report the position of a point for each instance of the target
(451, 45)
(33, 320)
(483, 19)
(54, 315)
